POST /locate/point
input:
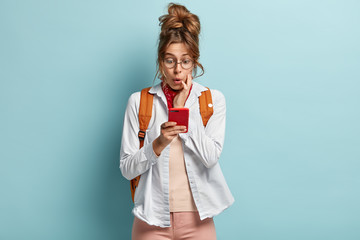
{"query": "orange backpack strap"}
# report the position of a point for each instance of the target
(145, 111)
(206, 106)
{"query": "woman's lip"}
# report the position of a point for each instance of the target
(177, 80)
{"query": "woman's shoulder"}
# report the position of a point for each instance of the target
(217, 96)
(135, 96)
(134, 101)
(215, 93)
(218, 99)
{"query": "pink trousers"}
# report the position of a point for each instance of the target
(184, 225)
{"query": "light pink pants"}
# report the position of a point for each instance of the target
(184, 225)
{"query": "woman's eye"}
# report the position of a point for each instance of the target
(186, 61)
(169, 60)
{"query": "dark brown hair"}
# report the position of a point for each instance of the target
(179, 26)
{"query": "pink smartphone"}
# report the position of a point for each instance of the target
(180, 116)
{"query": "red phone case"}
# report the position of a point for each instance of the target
(180, 116)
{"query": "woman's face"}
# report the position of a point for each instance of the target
(176, 75)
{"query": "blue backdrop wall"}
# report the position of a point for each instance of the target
(290, 74)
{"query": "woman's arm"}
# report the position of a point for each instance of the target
(207, 143)
(134, 161)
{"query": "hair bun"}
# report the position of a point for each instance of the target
(180, 17)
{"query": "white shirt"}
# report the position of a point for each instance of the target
(202, 148)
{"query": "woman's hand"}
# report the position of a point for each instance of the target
(180, 98)
(169, 130)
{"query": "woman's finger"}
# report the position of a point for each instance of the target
(189, 80)
(167, 124)
(175, 128)
(175, 132)
(172, 130)
(185, 87)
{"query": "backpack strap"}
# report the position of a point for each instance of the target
(145, 111)
(206, 106)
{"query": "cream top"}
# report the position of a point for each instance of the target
(180, 195)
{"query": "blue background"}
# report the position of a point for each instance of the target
(290, 74)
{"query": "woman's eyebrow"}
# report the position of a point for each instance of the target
(174, 55)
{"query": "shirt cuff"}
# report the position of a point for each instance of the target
(150, 154)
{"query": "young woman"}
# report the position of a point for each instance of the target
(181, 187)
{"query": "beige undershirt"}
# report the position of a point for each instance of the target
(180, 195)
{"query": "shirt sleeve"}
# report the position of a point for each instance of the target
(134, 161)
(207, 143)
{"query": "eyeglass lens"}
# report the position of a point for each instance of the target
(185, 64)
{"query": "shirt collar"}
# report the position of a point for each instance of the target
(195, 92)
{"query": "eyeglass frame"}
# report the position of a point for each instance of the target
(176, 63)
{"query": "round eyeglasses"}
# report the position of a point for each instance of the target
(185, 64)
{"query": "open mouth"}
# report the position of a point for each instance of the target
(177, 80)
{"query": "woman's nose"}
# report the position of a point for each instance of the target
(177, 67)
